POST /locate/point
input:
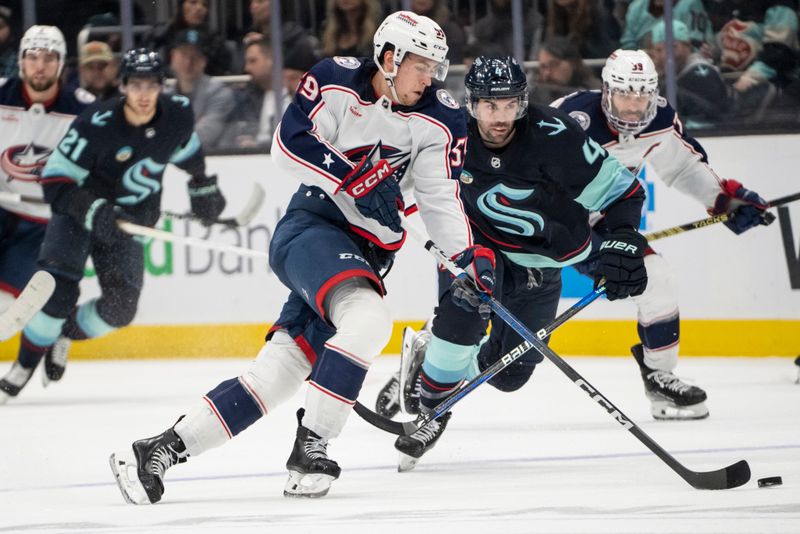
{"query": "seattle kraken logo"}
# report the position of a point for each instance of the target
(494, 204)
(137, 180)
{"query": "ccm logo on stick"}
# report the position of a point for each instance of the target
(619, 245)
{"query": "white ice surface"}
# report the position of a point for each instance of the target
(544, 459)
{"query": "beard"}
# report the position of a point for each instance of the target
(41, 86)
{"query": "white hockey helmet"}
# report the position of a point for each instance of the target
(631, 73)
(43, 37)
(408, 32)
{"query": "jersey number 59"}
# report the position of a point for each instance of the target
(457, 153)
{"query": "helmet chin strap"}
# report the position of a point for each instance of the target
(389, 77)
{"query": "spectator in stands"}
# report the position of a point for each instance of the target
(561, 71)
(114, 39)
(440, 13)
(495, 29)
(702, 93)
(642, 15)
(8, 52)
(584, 22)
(97, 70)
(349, 27)
(193, 15)
(250, 125)
(294, 36)
(212, 102)
(296, 63)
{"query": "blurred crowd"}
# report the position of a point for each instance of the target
(736, 61)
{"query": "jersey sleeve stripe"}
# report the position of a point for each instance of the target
(58, 166)
(303, 162)
(611, 182)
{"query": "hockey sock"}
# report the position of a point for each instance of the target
(38, 335)
(445, 366)
(30, 354)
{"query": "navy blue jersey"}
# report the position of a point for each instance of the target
(112, 159)
(532, 197)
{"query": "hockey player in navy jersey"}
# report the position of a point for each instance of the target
(633, 123)
(366, 138)
(530, 180)
(108, 167)
(37, 111)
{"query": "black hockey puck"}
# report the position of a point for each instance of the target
(769, 481)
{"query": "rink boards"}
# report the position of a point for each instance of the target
(739, 295)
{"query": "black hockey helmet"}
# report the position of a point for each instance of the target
(141, 62)
(496, 77)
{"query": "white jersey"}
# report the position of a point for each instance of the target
(677, 159)
(29, 134)
(335, 119)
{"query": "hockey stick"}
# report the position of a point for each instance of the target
(406, 428)
(146, 231)
(714, 219)
(35, 295)
(244, 218)
(731, 476)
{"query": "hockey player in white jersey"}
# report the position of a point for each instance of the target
(37, 112)
(366, 138)
(630, 120)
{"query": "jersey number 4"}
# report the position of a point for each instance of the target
(72, 145)
(592, 150)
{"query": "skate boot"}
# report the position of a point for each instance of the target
(413, 446)
(14, 381)
(311, 472)
(140, 471)
(55, 361)
(406, 380)
(670, 397)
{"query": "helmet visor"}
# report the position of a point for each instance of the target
(437, 70)
(632, 106)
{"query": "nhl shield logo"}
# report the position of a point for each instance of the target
(495, 162)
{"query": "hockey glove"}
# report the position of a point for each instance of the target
(101, 221)
(377, 194)
(747, 208)
(479, 263)
(205, 198)
(621, 264)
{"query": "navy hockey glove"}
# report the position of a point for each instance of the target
(377, 194)
(205, 198)
(101, 221)
(621, 264)
(479, 263)
(747, 208)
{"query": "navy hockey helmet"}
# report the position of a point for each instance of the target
(496, 77)
(141, 62)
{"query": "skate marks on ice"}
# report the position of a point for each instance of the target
(544, 459)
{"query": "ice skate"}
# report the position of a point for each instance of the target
(412, 447)
(311, 472)
(412, 353)
(140, 471)
(55, 361)
(14, 381)
(670, 397)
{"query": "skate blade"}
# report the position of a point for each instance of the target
(406, 463)
(124, 467)
(406, 353)
(4, 397)
(310, 486)
(666, 411)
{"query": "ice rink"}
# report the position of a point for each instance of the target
(544, 459)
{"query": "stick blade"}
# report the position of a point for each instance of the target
(733, 476)
(252, 207)
(35, 295)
